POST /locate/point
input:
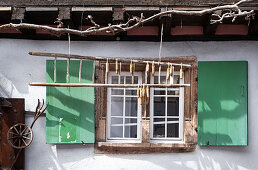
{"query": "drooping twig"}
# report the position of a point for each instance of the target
(234, 12)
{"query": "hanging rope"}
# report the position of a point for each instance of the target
(161, 40)
(160, 48)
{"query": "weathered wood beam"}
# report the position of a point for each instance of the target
(253, 26)
(64, 13)
(105, 85)
(118, 14)
(18, 14)
(110, 59)
(208, 28)
(166, 21)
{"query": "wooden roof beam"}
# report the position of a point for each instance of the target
(253, 26)
(208, 28)
(166, 21)
(118, 14)
(18, 14)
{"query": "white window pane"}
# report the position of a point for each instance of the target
(173, 92)
(159, 119)
(116, 121)
(173, 106)
(162, 80)
(159, 106)
(131, 106)
(135, 79)
(122, 81)
(130, 120)
(159, 131)
(114, 79)
(128, 80)
(173, 119)
(131, 92)
(117, 106)
(116, 131)
(117, 91)
(176, 79)
(159, 92)
(173, 130)
(131, 131)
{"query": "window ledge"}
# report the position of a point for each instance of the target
(137, 148)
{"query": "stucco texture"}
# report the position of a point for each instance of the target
(17, 69)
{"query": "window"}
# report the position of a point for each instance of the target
(166, 109)
(123, 109)
(167, 123)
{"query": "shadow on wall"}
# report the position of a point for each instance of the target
(9, 89)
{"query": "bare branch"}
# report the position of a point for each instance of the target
(231, 11)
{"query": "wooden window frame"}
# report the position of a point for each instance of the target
(139, 109)
(181, 112)
(189, 141)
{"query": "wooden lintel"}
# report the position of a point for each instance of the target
(105, 85)
(64, 13)
(18, 13)
(80, 9)
(118, 14)
(40, 9)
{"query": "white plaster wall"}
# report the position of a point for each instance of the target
(17, 69)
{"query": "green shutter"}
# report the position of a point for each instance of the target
(222, 103)
(70, 114)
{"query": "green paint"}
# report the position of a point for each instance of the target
(222, 103)
(70, 114)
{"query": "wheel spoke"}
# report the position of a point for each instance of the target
(15, 141)
(24, 130)
(24, 142)
(25, 137)
(19, 143)
(14, 137)
(13, 133)
(16, 130)
(26, 134)
(20, 129)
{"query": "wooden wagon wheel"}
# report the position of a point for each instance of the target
(19, 136)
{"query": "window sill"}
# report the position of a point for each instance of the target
(140, 148)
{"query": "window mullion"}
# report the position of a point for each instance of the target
(166, 107)
(124, 115)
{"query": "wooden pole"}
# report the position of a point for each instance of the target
(105, 85)
(159, 73)
(111, 59)
(55, 70)
(93, 72)
(68, 71)
(80, 71)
